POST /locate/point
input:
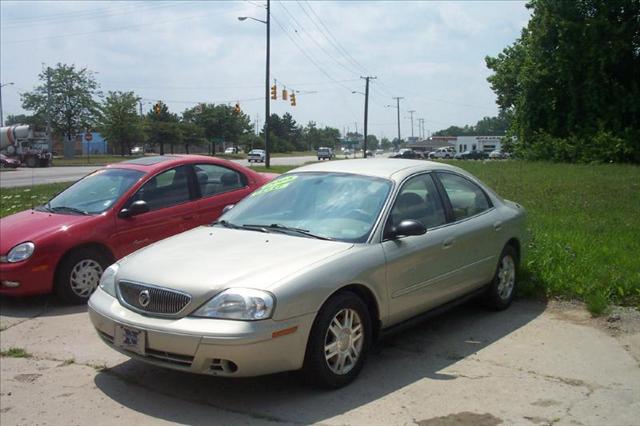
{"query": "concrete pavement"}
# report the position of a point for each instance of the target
(530, 365)
(26, 177)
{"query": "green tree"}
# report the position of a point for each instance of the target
(32, 120)
(219, 122)
(571, 81)
(69, 96)
(120, 124)
(192, 134)
(385, 144)
(162, 127)
(372, 142)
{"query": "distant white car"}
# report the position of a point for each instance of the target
(257, 155)
(443, 152)
(498, 155)
(231, 150)
(379, 151)
(136, 150)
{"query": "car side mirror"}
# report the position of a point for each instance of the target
(136, 208)
(406, 228)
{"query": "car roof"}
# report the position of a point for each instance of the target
(155, 163)
(387, 168)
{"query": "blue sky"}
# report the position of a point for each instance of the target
(430, 53)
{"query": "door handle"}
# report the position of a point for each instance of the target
(448, 242)
(498, 225)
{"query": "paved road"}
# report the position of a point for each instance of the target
(25, 177)
(530, 365)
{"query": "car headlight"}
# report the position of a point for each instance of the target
(238, 304)
(21, 252)
(108, 280)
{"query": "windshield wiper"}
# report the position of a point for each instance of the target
(285, 229)
(67, 208)
(226, 224)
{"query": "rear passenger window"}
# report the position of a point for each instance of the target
(213, 179)
(418, 200)
(467, 199)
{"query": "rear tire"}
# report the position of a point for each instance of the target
(79, 274)
(500, 292)
(338, 342)
(31, 162)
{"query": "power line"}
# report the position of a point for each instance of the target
(87, 15)
(326, 52)
(105, 30)
(331, 37)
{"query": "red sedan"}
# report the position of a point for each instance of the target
(64, 245)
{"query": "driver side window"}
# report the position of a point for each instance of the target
(419, 200)
(165, 189)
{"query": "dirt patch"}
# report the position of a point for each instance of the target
(26, 378)
(465, 418)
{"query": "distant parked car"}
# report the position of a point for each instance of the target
(370, 154)
(65, 244)
(470, 155)
(443, 152)
(257, 155)
(8, 163)
(231, 150)
(379, 151)
(137, 150)
(325, 153)
(498, 155)
(407, 154)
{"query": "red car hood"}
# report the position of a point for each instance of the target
(30, 225)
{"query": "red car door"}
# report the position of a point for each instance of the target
(219, 186)
(171, 201)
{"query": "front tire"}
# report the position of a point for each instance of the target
(338, 342)
(500, 292)
(79, 275)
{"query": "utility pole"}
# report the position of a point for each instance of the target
(2, 116)
(267, 101)
(49, 139)
(366, 111)
(397, 98)
(421, 128)
(411, 112)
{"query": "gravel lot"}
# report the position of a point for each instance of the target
(534, 364)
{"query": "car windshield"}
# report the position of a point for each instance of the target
(336, 206)
(94, 193)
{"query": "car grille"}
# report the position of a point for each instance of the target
(160, 300)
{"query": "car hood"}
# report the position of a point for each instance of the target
(31, 225)
(206, 260)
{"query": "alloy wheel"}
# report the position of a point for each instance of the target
(85, 277)
(344, 341)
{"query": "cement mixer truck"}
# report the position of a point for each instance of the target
(25, 144)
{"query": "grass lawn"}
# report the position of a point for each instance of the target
(585, 226)
(584, 222)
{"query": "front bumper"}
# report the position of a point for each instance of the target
(35, 276)
(206, 346)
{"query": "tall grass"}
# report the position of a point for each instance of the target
(584, 222)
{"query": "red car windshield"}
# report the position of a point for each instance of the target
(94, 193)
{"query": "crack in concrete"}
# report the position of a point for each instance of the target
(45, 308)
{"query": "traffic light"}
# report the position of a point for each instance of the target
(293, 99)
(274, 92)
(284, 94)
(236, 109)
(157, 108)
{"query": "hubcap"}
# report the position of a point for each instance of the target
(506, 277)
(85, 277)
(343, 341)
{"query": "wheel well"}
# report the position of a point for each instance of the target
(516, 245)
(370, 300)
(104, 250)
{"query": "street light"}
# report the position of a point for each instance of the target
(267, 113)
(1, 116)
